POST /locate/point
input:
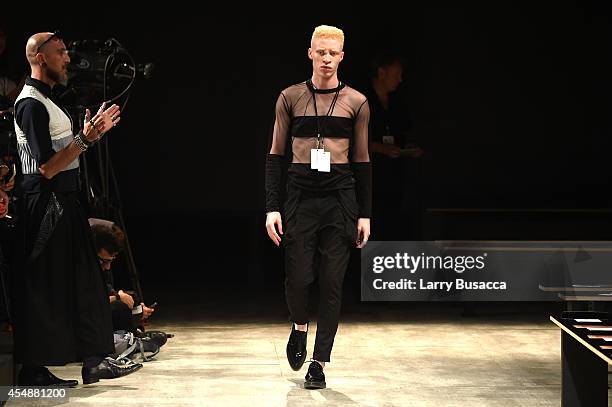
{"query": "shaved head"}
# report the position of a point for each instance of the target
(48, 58)
(33, 43)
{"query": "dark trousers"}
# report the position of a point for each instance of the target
(321, 228)
(61, 307)
(122, 317)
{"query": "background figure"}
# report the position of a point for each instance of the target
(109, 241)
(12, 79)
(391, 150)
(60, 305)
(3, 212)
(10, 86)
(4, 261)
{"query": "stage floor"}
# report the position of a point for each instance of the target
(428, 361)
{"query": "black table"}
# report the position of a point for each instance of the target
(584, 363)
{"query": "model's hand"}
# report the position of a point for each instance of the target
(363, 232)
(4, 202)
(273, 221)
(126, 299)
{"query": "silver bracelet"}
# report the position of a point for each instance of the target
(85, 140)
(78, 141)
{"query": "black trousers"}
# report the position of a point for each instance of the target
(122, 317)
(321, 229)
(61, 307)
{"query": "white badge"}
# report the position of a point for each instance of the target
(388, 140)
(314, 158)
(324, 161)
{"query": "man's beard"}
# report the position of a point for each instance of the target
(57, 76)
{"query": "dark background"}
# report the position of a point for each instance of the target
(510, 102)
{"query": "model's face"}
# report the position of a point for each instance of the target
(391, 76)
(56, 60)
(326, 54)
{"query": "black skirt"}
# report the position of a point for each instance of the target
(60, 305)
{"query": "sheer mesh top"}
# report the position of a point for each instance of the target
(339, 115)
(336, 120)
(343, 115)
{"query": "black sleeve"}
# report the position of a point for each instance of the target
(274, 170)
(33, 119)
(360, 162)
(363, 188)
(275, 160)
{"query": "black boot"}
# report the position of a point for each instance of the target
(108, 369)
(315, 378)
(296, 348)
(41, 376)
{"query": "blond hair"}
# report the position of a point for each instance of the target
(328, 32)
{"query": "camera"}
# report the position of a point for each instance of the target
(100, 71)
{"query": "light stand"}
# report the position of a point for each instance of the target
(98, 67)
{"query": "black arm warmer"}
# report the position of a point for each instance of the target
(274, 166)
(363, 187)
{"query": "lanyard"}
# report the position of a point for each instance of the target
(329, 111)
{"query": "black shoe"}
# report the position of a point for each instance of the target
(315, 378)
(41, 376)
(296, 348)
(108, 369)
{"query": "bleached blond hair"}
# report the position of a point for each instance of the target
(328, 32)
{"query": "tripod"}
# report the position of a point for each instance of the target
(110, 61)
(105, 201)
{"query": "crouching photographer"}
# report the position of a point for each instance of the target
(126, 308)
